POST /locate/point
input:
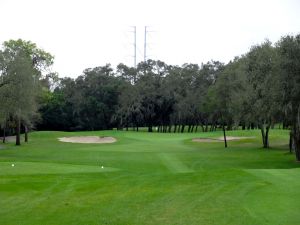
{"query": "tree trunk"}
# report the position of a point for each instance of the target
(4, 136)
(26, 133)
(214, 127)
(150, 129)
(189, 128)
(224, 133)
(291, 142)
(283, 124)
(18, 132)
(267, 137)
(182, 128)
(175, 127)
(192, 129)
(296, 140)
(262, 129)
(137, 128)
(164, 128)
(297, 151)
(170, 127)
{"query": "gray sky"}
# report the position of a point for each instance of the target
(88, 33)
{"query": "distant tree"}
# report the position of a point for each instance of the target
(262, 73)
(187, 102)
(149, 86)
(56, 108)
(238, 92)
(208, 75)
(289, 51)
(129, 107)
(17, 97)
(128, 112)
(98, 89)
(127, 73)
(22, 64)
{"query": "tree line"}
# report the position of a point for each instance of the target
(256, 90)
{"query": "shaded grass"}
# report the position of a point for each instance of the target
(149, 178)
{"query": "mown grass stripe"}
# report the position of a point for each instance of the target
(173, 163)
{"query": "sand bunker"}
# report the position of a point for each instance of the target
(88, 139)
(8, 138)
(219, 139)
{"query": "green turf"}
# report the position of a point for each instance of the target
(149, 178)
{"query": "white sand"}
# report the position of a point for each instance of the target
(9, 138)
(88, 139)
(219, 139)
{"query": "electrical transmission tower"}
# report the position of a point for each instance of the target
(135, 48)
(145, 44)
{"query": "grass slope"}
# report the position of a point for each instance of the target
(149, 178)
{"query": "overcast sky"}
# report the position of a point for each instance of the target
(88, 33)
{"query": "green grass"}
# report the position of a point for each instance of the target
(149, 178)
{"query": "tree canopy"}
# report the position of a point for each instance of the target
(256, 90)
(22, 66)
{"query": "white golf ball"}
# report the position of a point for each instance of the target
(102, 167)
(12, 165)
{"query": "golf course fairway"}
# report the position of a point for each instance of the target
(149, 178)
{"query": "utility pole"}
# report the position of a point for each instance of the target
(145, 44)
(134, 46)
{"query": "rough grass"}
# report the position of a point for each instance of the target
(149, 179)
